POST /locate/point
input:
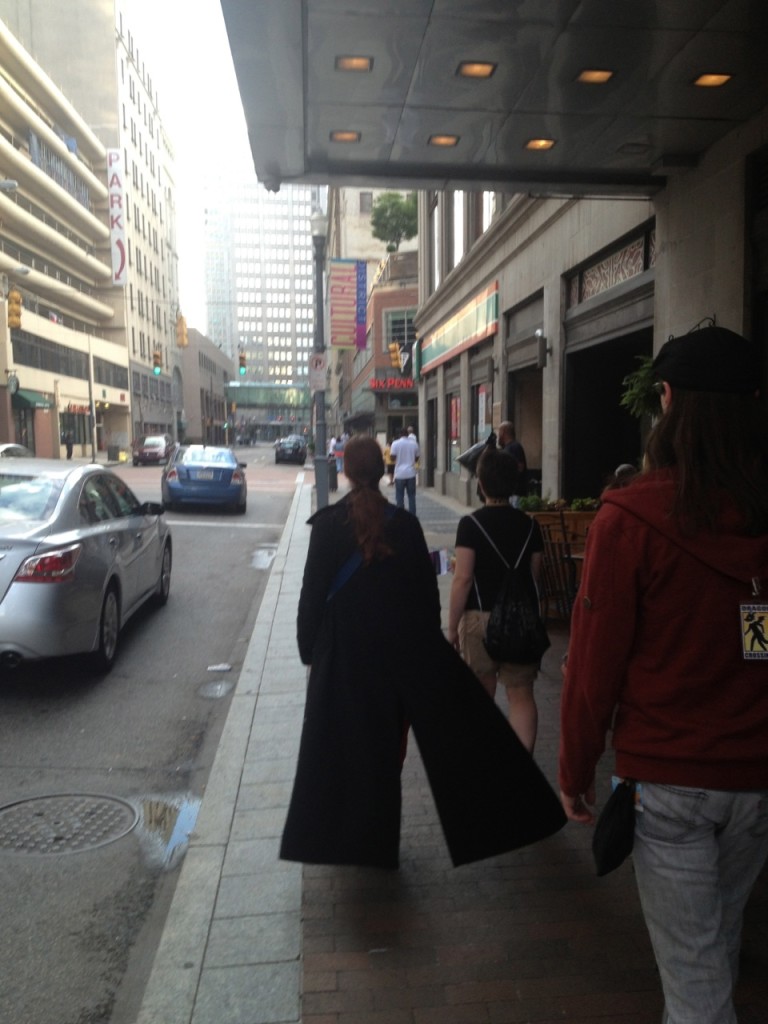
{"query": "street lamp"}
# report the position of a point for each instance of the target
(319, 225)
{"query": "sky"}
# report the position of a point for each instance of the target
(185, 45)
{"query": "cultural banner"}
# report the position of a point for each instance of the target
(347, 298)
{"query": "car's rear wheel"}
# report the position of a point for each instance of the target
(164, 582)
(240, 509)
(109, 630)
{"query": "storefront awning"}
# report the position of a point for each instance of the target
(24, 399)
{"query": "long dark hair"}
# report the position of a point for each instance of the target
(718, 446)
(364, 468)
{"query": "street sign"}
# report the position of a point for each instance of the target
(317, 371)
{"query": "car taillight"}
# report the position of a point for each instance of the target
(237, 477)
(52, 567)
(172, 474)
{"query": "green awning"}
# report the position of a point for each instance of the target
(24, 399)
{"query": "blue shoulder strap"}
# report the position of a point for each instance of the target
(352, 564)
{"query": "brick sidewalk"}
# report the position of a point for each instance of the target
(530, 936)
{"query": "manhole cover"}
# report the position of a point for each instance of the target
(66, 823)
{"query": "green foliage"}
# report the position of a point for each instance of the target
(531, 503)
(394, 218)
(638, 396)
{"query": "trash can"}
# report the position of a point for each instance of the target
(333, 476)
(113, 452)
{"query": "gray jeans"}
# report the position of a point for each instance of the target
(697, 855)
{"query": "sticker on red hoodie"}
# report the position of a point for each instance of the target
(754, 631)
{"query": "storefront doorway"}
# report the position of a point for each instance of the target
(599, 434)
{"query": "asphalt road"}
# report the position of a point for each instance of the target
(79, 926)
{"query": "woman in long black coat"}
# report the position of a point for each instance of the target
(369, 626)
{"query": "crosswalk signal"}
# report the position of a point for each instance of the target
(242, 364)
(182, 340)
(14, 308)
(394, 354)
(157, 362)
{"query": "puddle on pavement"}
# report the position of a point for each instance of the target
(164, 827)
(264, 556)
(215, 689)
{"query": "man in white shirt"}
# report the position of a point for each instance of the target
(405, 452)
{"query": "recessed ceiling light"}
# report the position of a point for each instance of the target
(345, 136)
(351, 63)
(476, 69)
(593, 76)
(443, 140)
(539, 144)
(712, 81)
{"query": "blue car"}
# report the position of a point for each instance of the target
(198, 474)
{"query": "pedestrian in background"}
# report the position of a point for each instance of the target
(675, 563)
(507, 441)
(477, 578)
(405, 452)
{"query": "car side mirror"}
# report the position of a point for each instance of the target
(243, 465)
(151, 508)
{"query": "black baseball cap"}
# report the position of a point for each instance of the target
(709, 359)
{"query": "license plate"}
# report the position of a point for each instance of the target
(204, 474)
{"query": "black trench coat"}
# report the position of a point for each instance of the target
(379, 658)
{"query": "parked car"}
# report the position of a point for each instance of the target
(291, 449)
(200, 474)
(15, 451)
(80, 554)
(153, 450)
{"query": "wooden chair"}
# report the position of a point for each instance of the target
(558, 576)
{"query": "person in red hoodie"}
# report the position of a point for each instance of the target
(666, 654)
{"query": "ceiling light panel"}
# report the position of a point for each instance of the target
(476, 69)
(349, 63)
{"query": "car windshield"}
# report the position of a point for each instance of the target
(207, 455)
(155, 442)
(27, 497)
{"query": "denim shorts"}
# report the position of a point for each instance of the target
(471, 632)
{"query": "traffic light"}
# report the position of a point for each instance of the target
(157, 362)
(14, 308)
(181, 332)
(394, 354)
(242, 364)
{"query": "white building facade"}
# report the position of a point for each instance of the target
(259, 277)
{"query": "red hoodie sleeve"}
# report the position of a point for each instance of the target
(602, 634)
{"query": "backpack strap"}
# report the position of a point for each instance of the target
(506, 563)
(488, 538)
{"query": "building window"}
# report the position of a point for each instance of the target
(453, 433)
(613, 268)
(366, 202)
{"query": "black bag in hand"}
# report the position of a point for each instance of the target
(614, 834)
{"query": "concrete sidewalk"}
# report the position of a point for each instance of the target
(530, 936)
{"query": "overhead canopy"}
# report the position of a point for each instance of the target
(622, 137)
(25, 399)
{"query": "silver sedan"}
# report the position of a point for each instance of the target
(79, 554)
